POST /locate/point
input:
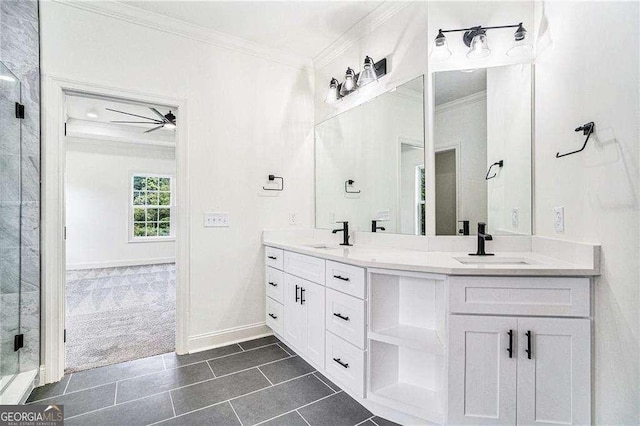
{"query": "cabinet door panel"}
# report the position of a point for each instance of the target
(554, 385)
(293, 326)
(313, 301)
(482, 376)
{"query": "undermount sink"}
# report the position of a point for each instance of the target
(319, 246)
(494, 260)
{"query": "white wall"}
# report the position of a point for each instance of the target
(98, 191)
(462, 124)
(247, 117)
(590, 72)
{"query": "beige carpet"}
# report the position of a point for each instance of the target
(119, 314)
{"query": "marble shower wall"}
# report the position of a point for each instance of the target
(20, 52)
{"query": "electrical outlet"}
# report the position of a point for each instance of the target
(558, 223)
(293, 218)
(217, 220)
(515, 218)
(332, 217)
(384, 215)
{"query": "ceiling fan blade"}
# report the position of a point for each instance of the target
(162, 117)
(135, 115)
(135, 122)
(155, 128)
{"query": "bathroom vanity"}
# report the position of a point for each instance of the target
(422, 335)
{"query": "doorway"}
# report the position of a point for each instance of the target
(120, 230)
(446, 192)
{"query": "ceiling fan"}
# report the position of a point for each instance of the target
(168, 121)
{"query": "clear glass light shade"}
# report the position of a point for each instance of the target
(349, 84)
(333, 94)
(368, 73)
(169, 126)
(440, 50)
(479, 47)
(521, 45)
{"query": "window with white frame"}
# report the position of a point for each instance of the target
(151, 207)
(420, 186)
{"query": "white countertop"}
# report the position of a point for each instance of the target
(435, 261)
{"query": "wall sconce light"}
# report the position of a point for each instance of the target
(371, 72)
(476, 39)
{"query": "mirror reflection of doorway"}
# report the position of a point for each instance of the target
(445, 189)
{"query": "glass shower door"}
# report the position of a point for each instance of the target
(10, 205)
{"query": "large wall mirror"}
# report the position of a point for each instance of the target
(482, 132)
(370, 164)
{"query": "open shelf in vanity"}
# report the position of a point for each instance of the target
(406, 342)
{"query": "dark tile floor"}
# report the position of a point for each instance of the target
(261, 381)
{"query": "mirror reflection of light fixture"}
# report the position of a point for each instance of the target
(7, 78)
(368, 73)
(521, 45)
(479, 46)
(333, 94)
(349, 84)
(440, 50)
(476, 39)
(92, 113)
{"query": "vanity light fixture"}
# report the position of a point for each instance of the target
(476, 39)
(371, 72)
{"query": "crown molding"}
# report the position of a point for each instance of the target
(366, 25)
(404, 93)
(460, 102)
(134, 15)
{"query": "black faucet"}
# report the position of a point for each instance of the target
(345, 233)
(375, 227)
(482, 237)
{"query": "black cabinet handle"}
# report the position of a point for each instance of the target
(341, 277)
(297, 288)
(273, 316)
(272, 257)
(344, 364)
(510, 348)
(302, 299)
(528, 350)
(341, 317)
(273, 284)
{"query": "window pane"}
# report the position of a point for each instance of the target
(139, 183)
(164, 229)
(423, 219)
(164, 215)
(152, 229)
(138, 214)
(422, 185)
(152, 184)
(152, 198)
(139, 198)
(152, 215)
(165, 198)
(164, 184)
(139, 229)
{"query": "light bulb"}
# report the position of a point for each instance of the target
(349, 84)
(169, 126)
(521, 45)
(440, 51)
(7, 78)
(368, 73)
(92, 113)
(479, 47)
(333, 94)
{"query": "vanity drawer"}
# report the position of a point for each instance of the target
(273, 257)
(275, 315)
(274, 281)
(520, 296)
(307, 267)
(345, 364)
(345, 317)
(346, 278)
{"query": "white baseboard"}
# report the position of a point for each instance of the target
(119, 263)
(229, 336)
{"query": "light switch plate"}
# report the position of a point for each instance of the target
(217, 219)
(383, 215)
(515, 218)
(293, 218)
(558, 222)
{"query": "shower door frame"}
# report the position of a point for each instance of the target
(55, 89)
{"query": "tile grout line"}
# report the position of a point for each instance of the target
(115, 396)
(174, 368)
(296, 409)
(173, 407)
(265, 376)
(67, 385)
(373, 421)
(305, 420)
(111, 406)
(325, 383)
(234, 412)
(164, 364)
(211, 368)
(366, 420)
